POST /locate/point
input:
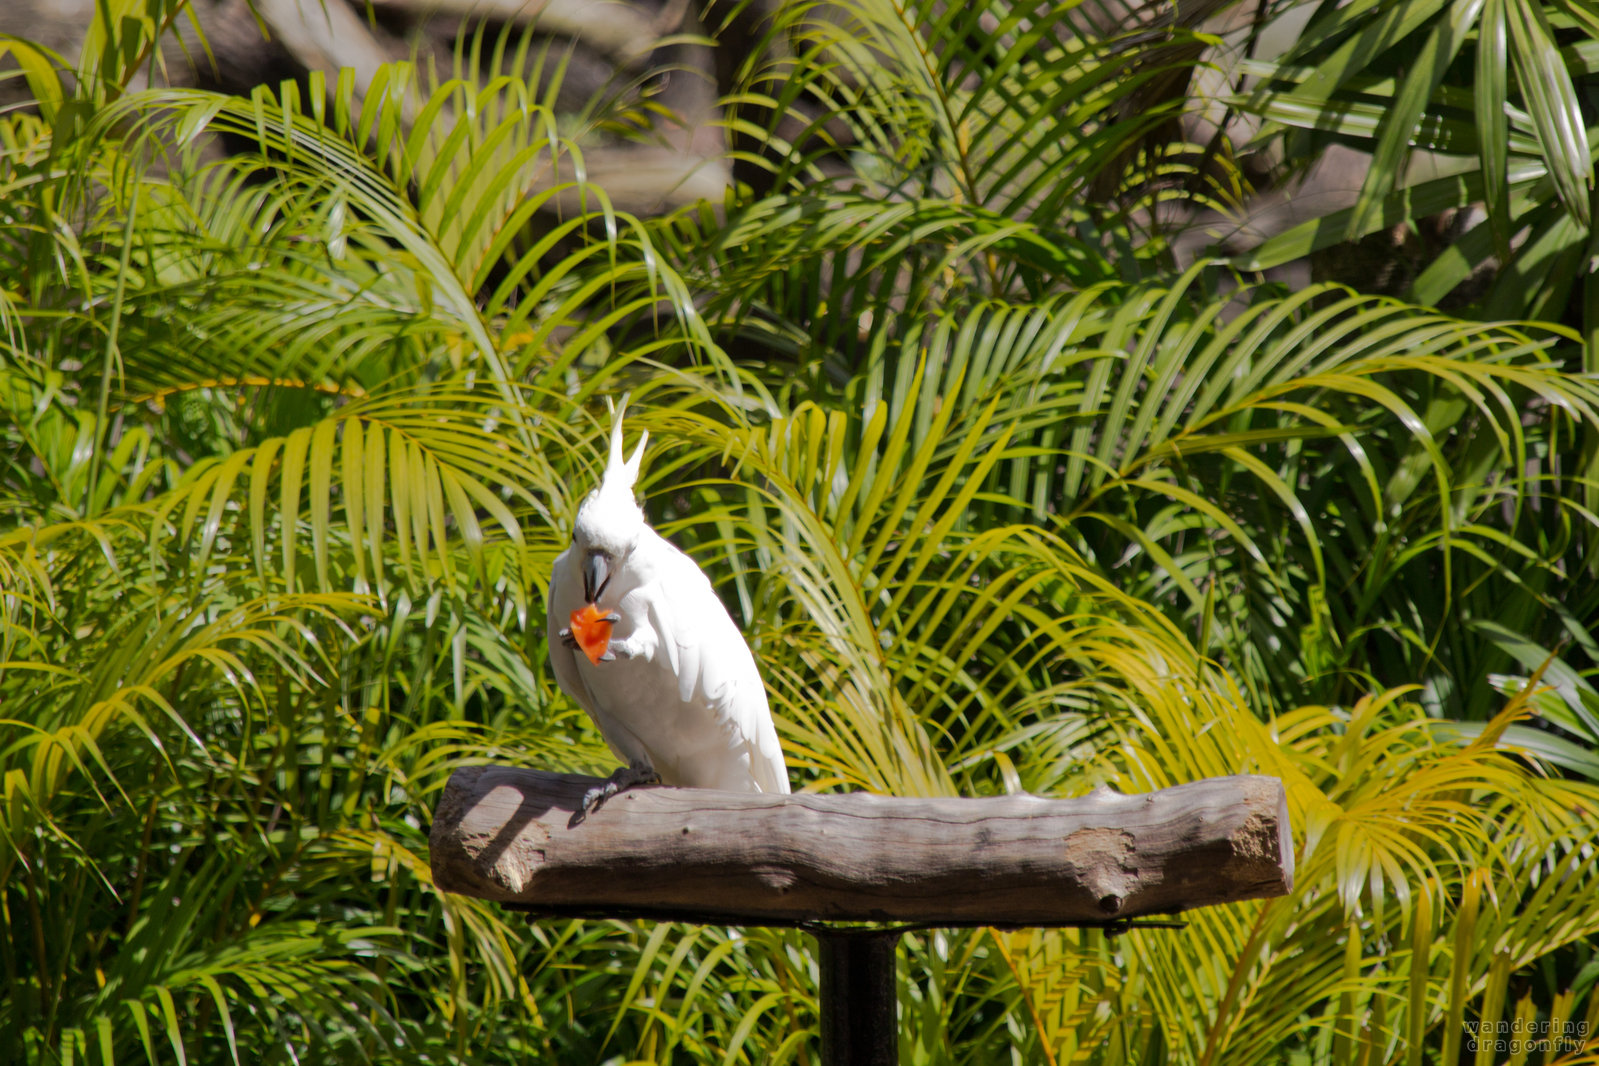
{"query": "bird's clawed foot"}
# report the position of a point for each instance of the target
(626, 777)
(569, 638)
(616, 650)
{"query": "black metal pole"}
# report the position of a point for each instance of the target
(860, 1012)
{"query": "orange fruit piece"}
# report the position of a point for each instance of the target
(592, 630)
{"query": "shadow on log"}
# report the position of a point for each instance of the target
(509, 834)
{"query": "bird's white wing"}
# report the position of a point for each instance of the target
(715, 669)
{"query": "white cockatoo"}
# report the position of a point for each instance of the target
(672, 684)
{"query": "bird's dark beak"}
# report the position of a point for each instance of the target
(596, 575)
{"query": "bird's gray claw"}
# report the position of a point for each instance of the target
(630, 776)
(608, 657)
(567, 638)
(596, 796)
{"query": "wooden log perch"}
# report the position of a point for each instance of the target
(509, 834)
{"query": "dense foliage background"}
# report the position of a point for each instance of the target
(290, 435)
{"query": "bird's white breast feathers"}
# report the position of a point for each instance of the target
(690, 702)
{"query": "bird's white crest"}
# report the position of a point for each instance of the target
(610, 518)
(620, 473)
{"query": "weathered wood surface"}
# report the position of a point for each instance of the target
(509, 834)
